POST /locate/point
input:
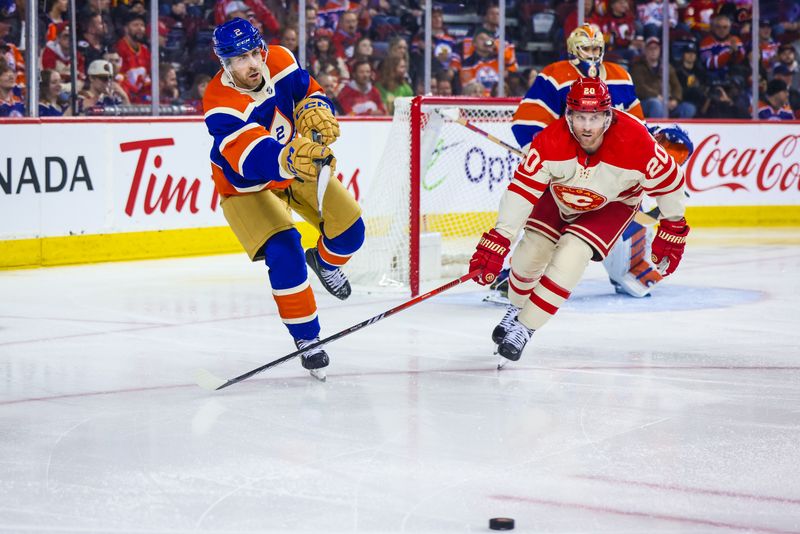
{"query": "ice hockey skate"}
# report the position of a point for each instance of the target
(315, 360)
(511, 346)
(334, 280)
(500, 330)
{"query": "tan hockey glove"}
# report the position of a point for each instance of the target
(303, 158)
(315, 115)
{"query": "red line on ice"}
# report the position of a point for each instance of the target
(686, 489)
(650, 515)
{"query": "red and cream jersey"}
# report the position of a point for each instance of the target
(628, 164)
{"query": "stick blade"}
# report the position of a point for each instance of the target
(322, 185)
(207, 380)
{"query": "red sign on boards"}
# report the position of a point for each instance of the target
(717, 164)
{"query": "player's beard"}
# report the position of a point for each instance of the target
(590, 140)
(251, 80)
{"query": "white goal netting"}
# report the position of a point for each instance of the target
(462, 177)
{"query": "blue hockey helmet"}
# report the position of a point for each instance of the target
(236, 37)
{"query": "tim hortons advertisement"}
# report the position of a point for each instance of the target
(106, 177)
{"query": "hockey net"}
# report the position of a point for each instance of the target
(435, 191)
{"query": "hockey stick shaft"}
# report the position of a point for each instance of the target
(490, 137)
(354, 328)
(639, 217)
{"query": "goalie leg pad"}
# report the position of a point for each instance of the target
(527, 265)
(570, 258)
(627, 263)
(288, 276)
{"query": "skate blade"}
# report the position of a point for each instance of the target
(319, 374)
(501, 361)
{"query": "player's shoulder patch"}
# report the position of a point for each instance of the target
(280, 62)
(221, 98)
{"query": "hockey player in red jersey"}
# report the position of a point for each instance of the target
(262, 110)
(575, 193)
(629, 271)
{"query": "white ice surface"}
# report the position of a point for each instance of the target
(677, 413)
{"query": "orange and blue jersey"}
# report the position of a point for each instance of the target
(717, 56)
(546, 100)
(484, 70)
(250, 128)
(510, 54)
(441, 43)
(768, 113)
(330, 11)
(13, 106)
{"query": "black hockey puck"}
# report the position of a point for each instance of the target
(501, 523)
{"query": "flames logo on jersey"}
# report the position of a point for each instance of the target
(578, 198)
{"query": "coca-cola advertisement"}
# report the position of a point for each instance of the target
(744, 164)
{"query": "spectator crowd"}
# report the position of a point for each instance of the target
(367, 53)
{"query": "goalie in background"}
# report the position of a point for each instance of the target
(628, 268)
(576, 191)
(262, 110)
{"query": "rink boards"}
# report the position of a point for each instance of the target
(87, 190)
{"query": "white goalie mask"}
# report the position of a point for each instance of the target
(585, 46)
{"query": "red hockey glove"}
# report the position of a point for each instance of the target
(489, 255)
(669, 244)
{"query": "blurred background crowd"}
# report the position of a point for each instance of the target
(367, 53)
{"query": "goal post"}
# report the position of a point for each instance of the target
(435, 190)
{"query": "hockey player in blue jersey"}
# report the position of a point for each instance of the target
(271, 125)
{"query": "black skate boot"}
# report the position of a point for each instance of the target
(315, 360)
(500, 330)
(334, 281)
(513, 343)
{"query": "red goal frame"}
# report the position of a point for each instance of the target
(415, 125)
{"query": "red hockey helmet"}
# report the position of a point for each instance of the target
(588, 95)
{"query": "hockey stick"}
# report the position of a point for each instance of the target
(322, 182)
(639, 217)
(207, 380)
(454, 115)
(323, 172)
